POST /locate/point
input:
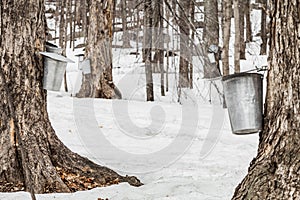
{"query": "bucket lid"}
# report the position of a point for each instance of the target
(51, 45)
(80, 55)
(225, 78)
(85, 63)
(57, 57)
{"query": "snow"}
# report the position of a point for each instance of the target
(179, 151)
(205, 167)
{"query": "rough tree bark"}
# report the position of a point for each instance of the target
(263, 31)
(168, 16)
(184, 7)
(274, 173)
(242, 14)
(156, 37)
(211, 27)
(125, 37)
(237, 39)
(64, 47)
(70, 21)
(248, 21)
(227, 7)
(147, 48)
(74, 24)
(158, 43)
(57, 15)
(99, 84)
(32, 158)
(161, 51)
(62, 24)
(84, 10)
(192, 44)
(211, 23)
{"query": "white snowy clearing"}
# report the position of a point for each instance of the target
(191, 175)
(177, 151)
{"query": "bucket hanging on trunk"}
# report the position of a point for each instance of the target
(244, 99)
(52, 48)
(54, 69)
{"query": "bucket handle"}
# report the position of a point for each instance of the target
(262, 69)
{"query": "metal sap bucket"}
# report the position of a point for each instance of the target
(211, 69)
(54, 69)
(244, 99)
(52, 48)
(85, 66)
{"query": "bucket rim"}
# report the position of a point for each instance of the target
(247, 131)
(225, 78)
(49, 44)
(57, 57)
(212, 79)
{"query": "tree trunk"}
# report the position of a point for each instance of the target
(70, 20)
(184, 43)
(84, 10)
(161, 48)
(74, 20)
(248, 22)
(63, 35)
(62, 25)
(192, 45)
(242, 29)
(156, 36)
(227, 7)
(211, 27)
(237, 40)
(274, 173)
(263, 31)
(147, 47)
(32, 158)
(137, 31)
(65, 38)
(211, 22)
(125, 37)
(57, 5)
(78, 15)
(168, 16)
(158, 23)
(99, 84)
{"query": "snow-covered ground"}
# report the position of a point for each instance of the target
(179, 151)
(207, 164)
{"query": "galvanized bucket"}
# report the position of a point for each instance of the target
(52, 48)
(85, 66)
(244, 99)
(211, 69)
(54, 69)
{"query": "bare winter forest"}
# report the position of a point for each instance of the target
(149, 99)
